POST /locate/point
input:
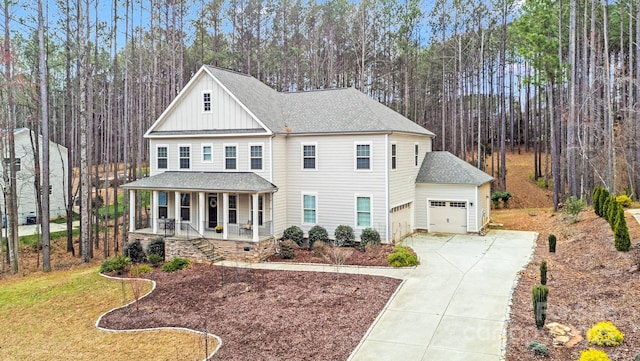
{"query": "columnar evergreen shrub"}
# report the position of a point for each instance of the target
(604, 334)
(552, 243)
(369, 236)
(317, 233)
(344, 235)
(621, 232)
(543, 272)
(612, 211)
(604, 194)
(593, 355)
(133, 250)
(540, 294)
(604, 210)
(295, 234)
(596, 200)
(538, 349)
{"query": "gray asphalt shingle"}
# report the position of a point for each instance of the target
(446, 168)
(204, 181)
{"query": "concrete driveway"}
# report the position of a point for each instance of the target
(453, 306)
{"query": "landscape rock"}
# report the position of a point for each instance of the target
(563, 335)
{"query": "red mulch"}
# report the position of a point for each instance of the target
(261, 314)
(373, 256)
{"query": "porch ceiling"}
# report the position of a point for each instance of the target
(205, 181)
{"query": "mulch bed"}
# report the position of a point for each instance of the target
(261, 314)
(372, 256)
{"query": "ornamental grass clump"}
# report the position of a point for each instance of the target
(593, 355)
(604, 334)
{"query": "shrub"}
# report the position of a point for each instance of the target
(593, 355)
(176, 264)
(612, 211)
(604, 334)
(552, 243)
(116, 264)
(317, 233)
(156, 246)
(637, 358)
(495, 198)
(139, 270)
(604, 195)
(596, 200)
(288, 249)
(403, 256)
(319, 249)
(540, 293)
(155, 259)
(505, 199)
(295, 234)
(621, 232)
(538, 349)
(134, 251)
(543, 272)
(624, 201)
(573, 207)
(369, 236)
(344, 235)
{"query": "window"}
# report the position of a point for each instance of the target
(308, 156)
(206, 153)
(185, 206)
(363, 210)
(416, 152)
(458, 204)
(260, 219)
(393, 156)
(233, 209)
(230, 156)
(256, 156)
(309, 208)
(162, 205)
(185, 157)
(438, 204)
(16, 162)
(162, 157)
(363, 156)
(206, 101)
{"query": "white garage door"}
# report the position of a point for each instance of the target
(448, 216)
(401, 222)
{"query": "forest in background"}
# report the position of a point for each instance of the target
(557, 78)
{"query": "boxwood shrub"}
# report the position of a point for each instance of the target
(295, 234)
(369, 236)
(317, 233)
(344, 235)
(176, 264)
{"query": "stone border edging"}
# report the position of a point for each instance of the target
(153, 283)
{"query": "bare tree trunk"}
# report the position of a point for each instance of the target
(68, 122)
(572, 121)
(85, 173)
(610, 146)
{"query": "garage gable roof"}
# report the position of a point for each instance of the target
(446, 168)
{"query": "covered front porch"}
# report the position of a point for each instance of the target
(212, 205)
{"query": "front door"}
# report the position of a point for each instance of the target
(213, 211)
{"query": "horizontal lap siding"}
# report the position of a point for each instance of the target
(444, 192)
(484, 204)
(279, 145)
(225, 113)
(336, 181)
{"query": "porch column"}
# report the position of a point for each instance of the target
(201, 217)
(254, 216)
(225, 215)
(132, 210)
(154, 212)
(176, 211)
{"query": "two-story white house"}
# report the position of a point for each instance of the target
(229, 151)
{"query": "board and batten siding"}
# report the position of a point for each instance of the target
(188, 112)
(279, 148)
(445, 192)
(336, 182)
(217, 164)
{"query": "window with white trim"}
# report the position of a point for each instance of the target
(161, 153)
(363, 156)
(458, 204)
(438, 204)
(206, 101)
(363, 211)
(394, 153)
(416, 154)
(230, 157)
(260, 210)
(207, 156)
(162, 205)
(233, 209)
(255, 152)
(185, 157)
(309, 208)
(185, 206)
(308, 156)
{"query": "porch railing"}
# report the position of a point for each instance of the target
(246, 230)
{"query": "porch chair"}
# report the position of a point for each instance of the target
(247, 227)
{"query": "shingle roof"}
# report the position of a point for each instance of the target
(446, 168)
(320, 111)
(205, 181)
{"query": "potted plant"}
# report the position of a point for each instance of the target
(218, 229)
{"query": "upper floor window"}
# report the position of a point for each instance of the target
(185, 157)
(206, 101)
(206, 153)
(416, 155)
(363, 156)
(230, 157)
(256, 156)
(394, 153)
(363, 211)
(16, 163)
(162, 157)
(308, 156)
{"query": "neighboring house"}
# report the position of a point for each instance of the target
(230, 151)
(25, 176)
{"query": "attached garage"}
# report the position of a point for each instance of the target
(401, 225)
(452, 196)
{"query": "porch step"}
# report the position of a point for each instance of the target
(208, 250)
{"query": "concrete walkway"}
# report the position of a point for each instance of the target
(636, 213)
(26, 230)
(451, 307)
